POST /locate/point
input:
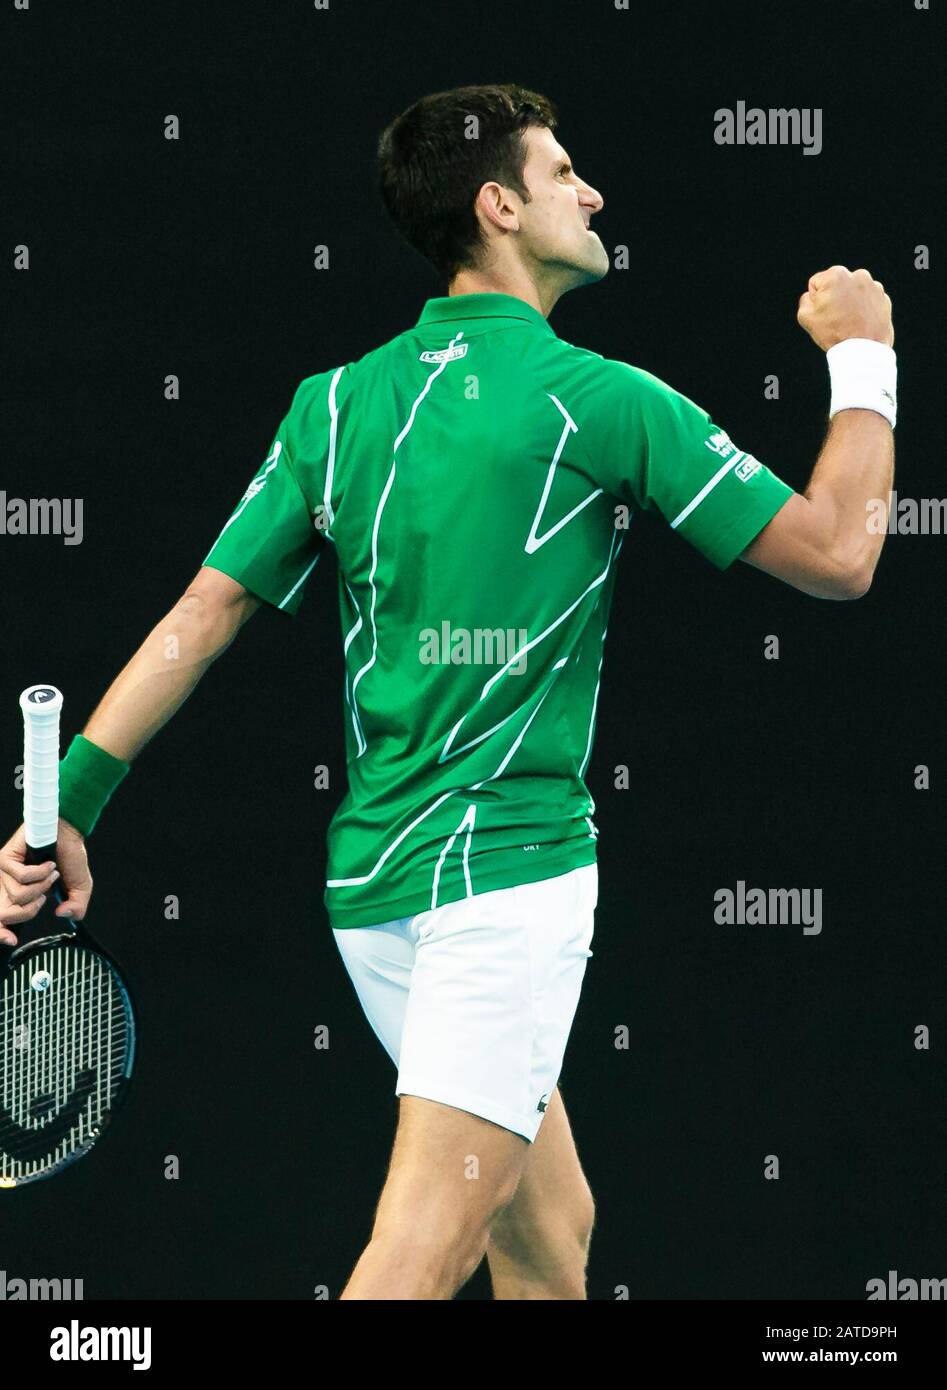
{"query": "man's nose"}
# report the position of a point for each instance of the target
(592, 198)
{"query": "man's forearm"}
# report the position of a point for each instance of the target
(161, 675)
(856, 465)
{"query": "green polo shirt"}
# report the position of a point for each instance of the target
(476, 475)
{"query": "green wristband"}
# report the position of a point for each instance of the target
(87, 778)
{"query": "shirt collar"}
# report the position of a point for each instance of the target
(460, 307)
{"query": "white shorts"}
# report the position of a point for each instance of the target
(474, 1001)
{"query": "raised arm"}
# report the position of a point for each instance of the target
(819, 541)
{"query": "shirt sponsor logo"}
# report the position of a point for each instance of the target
(445, 354)
(720, 443)
(746, 469)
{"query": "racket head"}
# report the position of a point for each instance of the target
(68, 1037)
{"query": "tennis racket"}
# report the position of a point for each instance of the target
(67, 1027)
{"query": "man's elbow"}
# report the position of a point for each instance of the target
(215, 596)
(849, 579)
(214, 608)
(801, 548)
(855, 587)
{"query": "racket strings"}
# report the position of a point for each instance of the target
(64, 1049)
(82, 1002)
(57, 1033)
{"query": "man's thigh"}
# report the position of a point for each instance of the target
(450, 1172)
(552, 1191)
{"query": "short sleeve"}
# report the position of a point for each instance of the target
(652, 447)
(271, 542)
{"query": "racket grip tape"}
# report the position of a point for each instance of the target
(41, 706)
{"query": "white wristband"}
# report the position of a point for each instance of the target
(864, 376)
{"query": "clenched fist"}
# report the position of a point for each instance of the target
(842, 303)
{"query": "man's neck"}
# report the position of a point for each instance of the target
(520, 286)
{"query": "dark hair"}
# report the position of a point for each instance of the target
(430, 170)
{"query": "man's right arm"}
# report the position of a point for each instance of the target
(169, 663)
(142, 698)
(819, 540)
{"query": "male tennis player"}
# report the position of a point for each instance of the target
(474, 476)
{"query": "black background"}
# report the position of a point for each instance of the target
(194, 257)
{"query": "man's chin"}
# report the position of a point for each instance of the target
(591, 267)
(597, 268)
(597, 264)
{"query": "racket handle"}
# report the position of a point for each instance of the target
(41, 705)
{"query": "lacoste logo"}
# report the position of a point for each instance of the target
(259, 483)
(888, 396)
(445, 354)
(542, 1102)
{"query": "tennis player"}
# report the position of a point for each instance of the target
(475, 476)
